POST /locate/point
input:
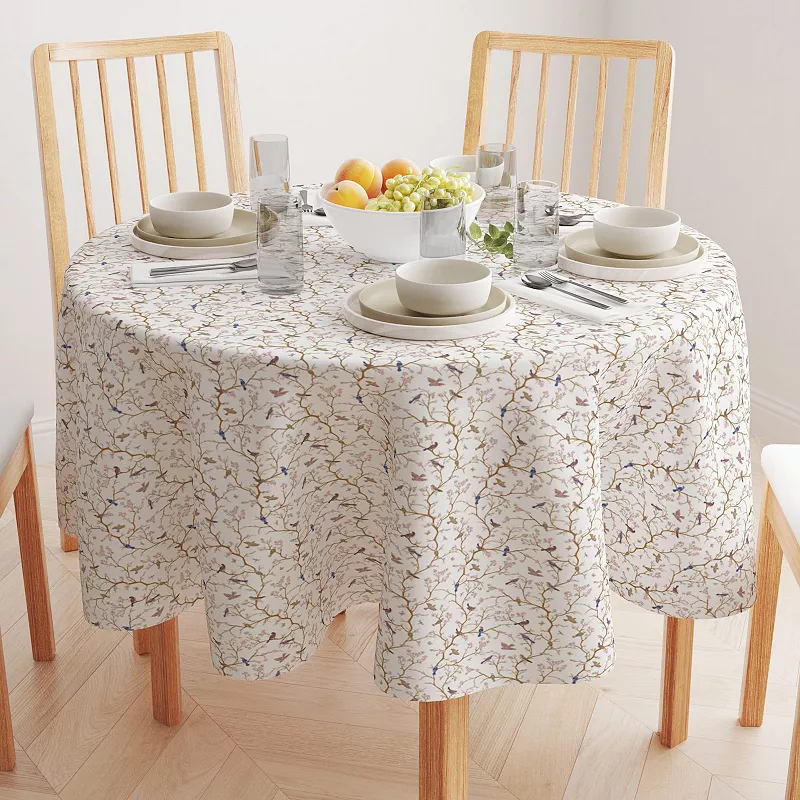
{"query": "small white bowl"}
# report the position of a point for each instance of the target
(443, 287)
(386, 235)
(636, 231)
(191, 215)
(464, 163)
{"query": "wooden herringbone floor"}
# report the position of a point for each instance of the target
(84, 731)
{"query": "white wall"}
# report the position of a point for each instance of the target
(734, 166)
(345, 78)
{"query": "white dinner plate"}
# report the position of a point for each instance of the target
(351, 310)
(243, 229)
(632, 273)
(581, 246)
(380, 302)
(199, 253)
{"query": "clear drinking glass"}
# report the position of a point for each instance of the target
(536, 224)
(279, 235)
(496, 173)
(442, 232)
(269, 164)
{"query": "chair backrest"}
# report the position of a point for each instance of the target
(605, 49)
(129, 49)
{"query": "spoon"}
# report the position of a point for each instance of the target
(567, 219)
(243, 265)
(538, 282)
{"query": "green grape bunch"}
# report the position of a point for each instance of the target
(434, 188)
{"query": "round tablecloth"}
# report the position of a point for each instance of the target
(260, 452)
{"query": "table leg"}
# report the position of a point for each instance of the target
(793, 778)
(676, 681)
(165, 672)
(141, 641)
(443, 746)
(69, 544)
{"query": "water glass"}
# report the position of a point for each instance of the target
(279, 237)
(496, 173)
(269, 164)
(536, 224)
(442, 232)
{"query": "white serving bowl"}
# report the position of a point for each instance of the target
(636, 231)
(443, 286)
(465, 164)
(191, 215)
(385, 235)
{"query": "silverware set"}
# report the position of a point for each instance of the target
(243, 265)
(549, 280)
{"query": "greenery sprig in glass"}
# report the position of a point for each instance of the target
(495, 240)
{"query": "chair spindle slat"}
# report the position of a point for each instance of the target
(166, 123)
(627, 128)
(541, 114)
(111, 150)
(138, 139)
(569, 130)
(599, 120)
(197, 133)
(86, 178)
(511, 120)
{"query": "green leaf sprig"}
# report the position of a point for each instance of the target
(495, 240)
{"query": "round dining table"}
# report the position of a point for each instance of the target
(488, 493)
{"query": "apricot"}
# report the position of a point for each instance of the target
(398, 166)
(348, 193)
(364, 173)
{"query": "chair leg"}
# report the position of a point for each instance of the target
(34, 565)
(443, 747)
(793, 778)
(141, 641)
(7, 753)
(69, 544)
(165, 672)
(762, 624)
(676, 681)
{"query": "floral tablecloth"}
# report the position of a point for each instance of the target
(262, 453)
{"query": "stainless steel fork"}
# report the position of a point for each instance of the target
(550, 276)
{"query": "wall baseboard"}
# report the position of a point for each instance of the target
(44, 440)
(773, 420)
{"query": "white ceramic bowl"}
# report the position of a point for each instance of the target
(466, 164)
(191, 215)
(443, 286)
(386, 235)
(636, 231)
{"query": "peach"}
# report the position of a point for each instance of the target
(398, 166)
(364, 173)
(348, 193)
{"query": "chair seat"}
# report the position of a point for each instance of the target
(15, 416)
(781, 465)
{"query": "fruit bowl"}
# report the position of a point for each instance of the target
(386, 236)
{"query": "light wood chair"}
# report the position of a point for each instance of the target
(779, 536)
(162, 639)
(678, 633)
(605, 50)
(18, 478)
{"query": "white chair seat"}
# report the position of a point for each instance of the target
(781, 465)
(15, 416)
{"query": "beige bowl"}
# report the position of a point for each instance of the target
(191, 215)
(443, 287)
(636, 231)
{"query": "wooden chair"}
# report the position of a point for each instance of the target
(779, 536)
(678, 632)
(161, 638)
(18, 477)
(604, 49)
